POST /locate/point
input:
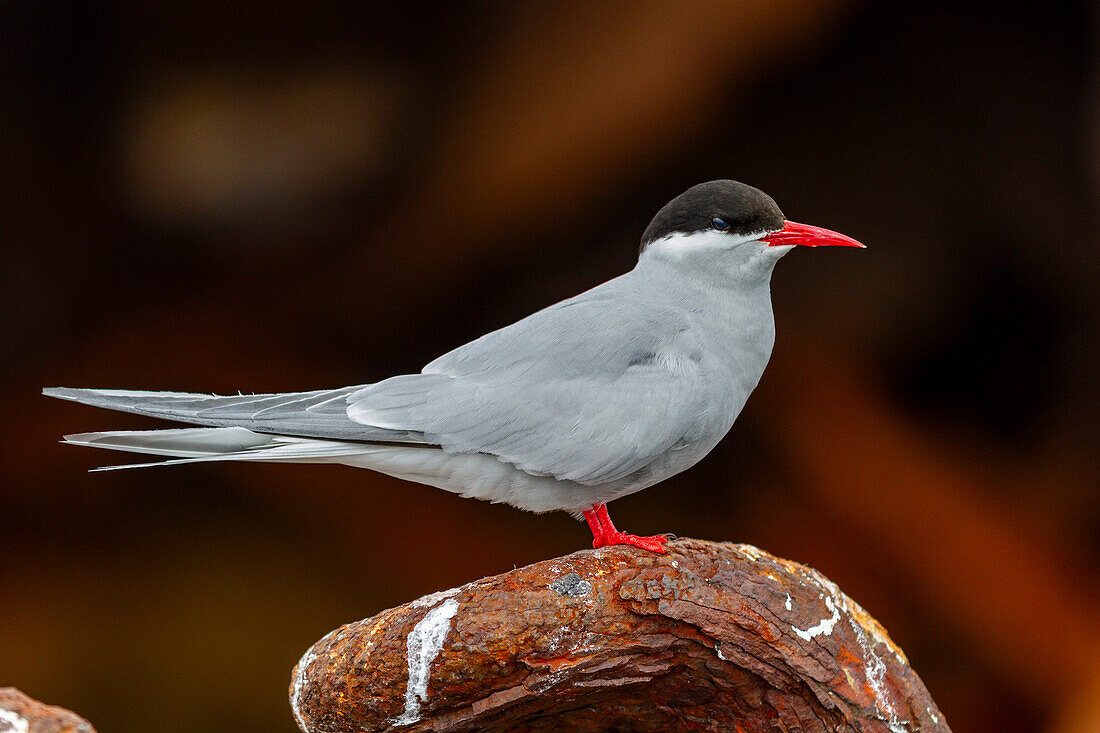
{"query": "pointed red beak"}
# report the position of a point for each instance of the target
(809, 236)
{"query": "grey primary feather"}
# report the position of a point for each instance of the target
(185, 442)
(192, 445)
(318, 414)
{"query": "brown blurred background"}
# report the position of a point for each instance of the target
(267, 196)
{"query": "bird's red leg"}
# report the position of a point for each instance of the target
(594, 525)
(604, 532)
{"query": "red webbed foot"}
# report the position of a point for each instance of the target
(653, 544)
(604, 532)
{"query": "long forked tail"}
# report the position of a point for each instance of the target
(291, 427)
(192, 445)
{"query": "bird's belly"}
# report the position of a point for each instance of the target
(481, 476)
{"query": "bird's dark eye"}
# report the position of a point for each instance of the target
(719, 223)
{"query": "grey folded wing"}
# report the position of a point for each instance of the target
(587, 391)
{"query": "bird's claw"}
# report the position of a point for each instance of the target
(653, 544)
(604, 532)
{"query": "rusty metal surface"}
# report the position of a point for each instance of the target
(711, 636)
(20, 713)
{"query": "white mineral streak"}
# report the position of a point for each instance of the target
(424, 645)
(825, 625)
(875, 671)
(13, 722)
(300, 681)
(874, 668)
(718, 648)
(869, 636)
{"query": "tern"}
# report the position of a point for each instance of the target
(591, 399)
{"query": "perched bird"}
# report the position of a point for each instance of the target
(596, 397)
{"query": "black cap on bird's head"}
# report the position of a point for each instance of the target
(735, 208)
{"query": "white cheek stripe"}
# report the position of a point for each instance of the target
(678, 243)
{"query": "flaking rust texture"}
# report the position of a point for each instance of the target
(710, 636)
(20, 713)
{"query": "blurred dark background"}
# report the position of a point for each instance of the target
(268, 196)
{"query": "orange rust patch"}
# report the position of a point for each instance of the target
(556, 663)
(855, 668)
